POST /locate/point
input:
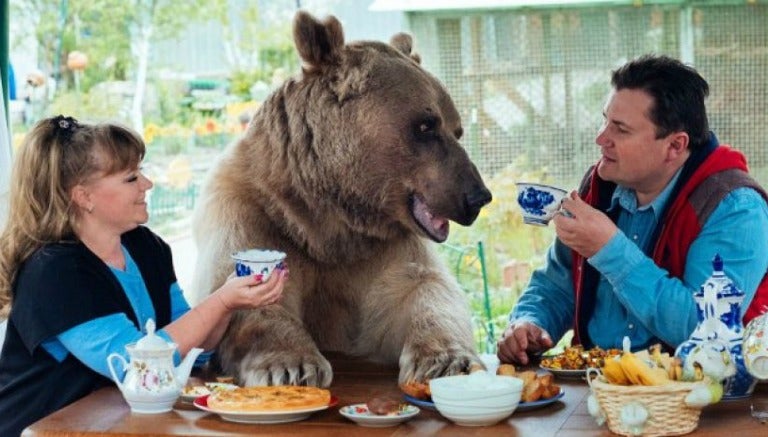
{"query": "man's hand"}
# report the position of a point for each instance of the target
(520, 339)
(583, 228)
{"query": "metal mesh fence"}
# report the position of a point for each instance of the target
(532, 83)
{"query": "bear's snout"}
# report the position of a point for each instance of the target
(478, 198)
(474, 201)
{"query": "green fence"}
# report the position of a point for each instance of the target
(468, 265)
(168, 201)
(532, 81)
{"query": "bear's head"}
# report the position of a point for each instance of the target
(370, 135)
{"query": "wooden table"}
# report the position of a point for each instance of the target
(104, 412)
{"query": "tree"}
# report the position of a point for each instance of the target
(117, 35)
(152, 20)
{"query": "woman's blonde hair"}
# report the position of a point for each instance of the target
(57, 154)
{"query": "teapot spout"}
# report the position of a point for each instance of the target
(185, 368)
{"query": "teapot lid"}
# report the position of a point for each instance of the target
(151, 341)
(717, 263)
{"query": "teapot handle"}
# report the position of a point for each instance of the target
(112, 369)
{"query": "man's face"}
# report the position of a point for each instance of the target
(632, 156)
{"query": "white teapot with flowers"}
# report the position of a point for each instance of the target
(151, 383)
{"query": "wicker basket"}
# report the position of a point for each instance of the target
(667, 412)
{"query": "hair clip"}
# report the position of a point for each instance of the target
(64, 127)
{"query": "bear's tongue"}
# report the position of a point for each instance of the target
(436, 227)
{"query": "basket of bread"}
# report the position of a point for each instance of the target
(650, 393)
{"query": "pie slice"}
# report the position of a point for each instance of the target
(271, 398)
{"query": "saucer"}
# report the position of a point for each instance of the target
(360, 414)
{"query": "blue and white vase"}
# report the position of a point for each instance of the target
(718, 303)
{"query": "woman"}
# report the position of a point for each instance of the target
(82, 276)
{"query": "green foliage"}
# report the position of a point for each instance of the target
(241, 81)
(500, 225)
(505, 237)
(87, 106)
(170, 93)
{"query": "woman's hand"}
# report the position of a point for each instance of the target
(248, 292)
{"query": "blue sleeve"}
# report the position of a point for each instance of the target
(735, 229)
(93, 341)
(179, 304)
(179, 307)
(549, 301)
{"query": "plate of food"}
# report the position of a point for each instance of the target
(417, 393)
(527, 406)
(192, 392)
(266, 405)
(426, 404)
(574, 361)
(539, 390)
(565, 373)
(379, 413)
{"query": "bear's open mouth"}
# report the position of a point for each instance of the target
(436, 227)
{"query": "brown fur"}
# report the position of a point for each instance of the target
(327, 172)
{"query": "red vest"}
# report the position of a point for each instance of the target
(722, 171)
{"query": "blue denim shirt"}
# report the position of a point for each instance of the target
(637, 298)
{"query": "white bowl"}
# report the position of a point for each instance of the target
(539, 202)
(257, 262)
(479, 399)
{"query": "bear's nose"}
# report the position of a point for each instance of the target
(478, 198)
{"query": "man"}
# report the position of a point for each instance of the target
(639, 238)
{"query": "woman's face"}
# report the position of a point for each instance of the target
(117, 202)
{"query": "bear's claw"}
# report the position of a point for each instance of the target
(285, 368)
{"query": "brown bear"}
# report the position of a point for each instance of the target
(351, 169)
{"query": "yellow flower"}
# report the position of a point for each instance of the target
(151, 130)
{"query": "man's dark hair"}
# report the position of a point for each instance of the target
(678, 93)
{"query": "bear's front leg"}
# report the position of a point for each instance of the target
(268, 346)
(440, 339)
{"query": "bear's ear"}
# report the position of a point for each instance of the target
(318, 43)
(404, 43)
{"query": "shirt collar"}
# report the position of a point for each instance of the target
(626, 198)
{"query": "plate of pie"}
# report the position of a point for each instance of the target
(265, 405)
(360, 414)
(190, 393)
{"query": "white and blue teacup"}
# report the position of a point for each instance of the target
(258, 262)
(539, 202)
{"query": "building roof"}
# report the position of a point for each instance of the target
(446, 5)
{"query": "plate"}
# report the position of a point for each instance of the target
(195, 392)
(566, 373)
(359, 414)
(265, 417)
(522, 406)
(427, 405)
(526, 406)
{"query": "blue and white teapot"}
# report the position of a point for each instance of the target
(720, 328)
